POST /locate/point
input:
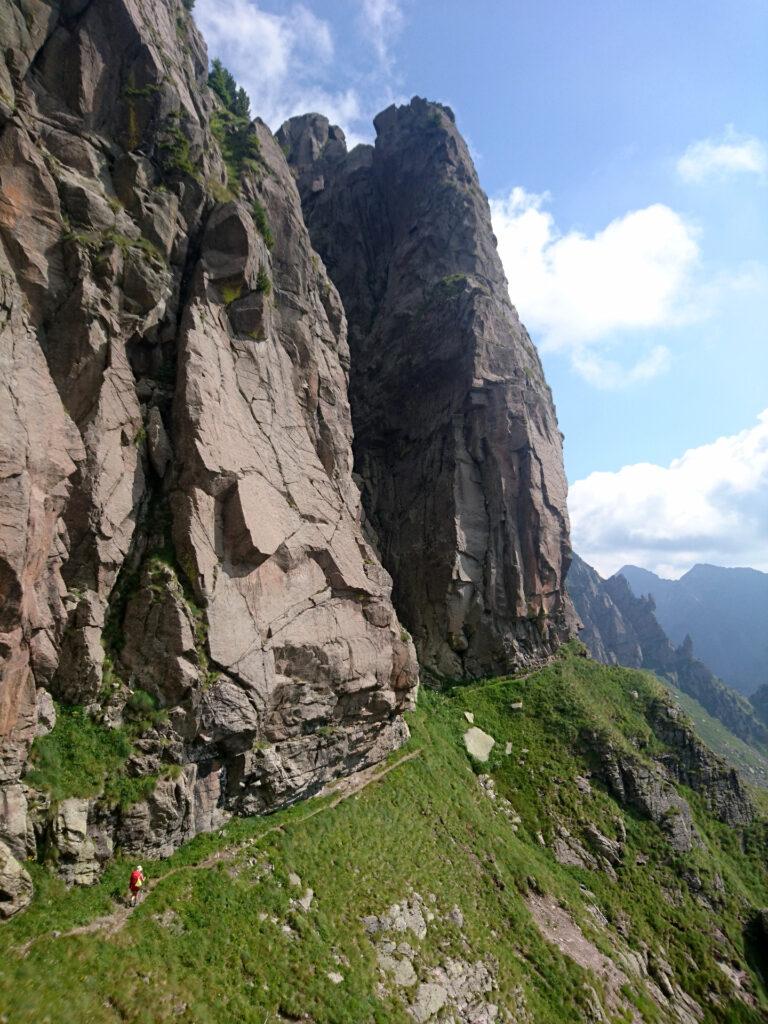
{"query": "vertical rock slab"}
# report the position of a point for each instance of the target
(309, 656)
(15, 884)
(39, 450)
(456, 439)
(180, 540)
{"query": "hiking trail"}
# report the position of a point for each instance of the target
(343, 789)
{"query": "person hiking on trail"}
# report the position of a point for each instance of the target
(135, 884)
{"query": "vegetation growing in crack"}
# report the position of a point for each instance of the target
(142, 713)
(158, 566)
(97, 242)
(175, 148)
(231, 126)
(230, 292)
(260, 219)
(263, 282)
(239, 145)
(145, 90)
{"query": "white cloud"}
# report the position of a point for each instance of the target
(710, 505)
(732, 153)
(382, 20)
(579, 292)
(284, 61)
(603, 372)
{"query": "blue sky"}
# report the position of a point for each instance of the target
(623, 147)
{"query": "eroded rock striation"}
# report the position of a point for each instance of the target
(180, 529)
(456, 440)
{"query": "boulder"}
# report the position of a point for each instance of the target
(478, 743)
(428, 1002)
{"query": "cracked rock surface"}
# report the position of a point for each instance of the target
(454, 989)
(179, 516)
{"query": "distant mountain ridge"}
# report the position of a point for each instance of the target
(725, 612)
(620, 628)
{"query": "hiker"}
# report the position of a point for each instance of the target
(135, 884)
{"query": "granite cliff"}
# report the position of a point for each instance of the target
(202, 621)
(181, 548)
(455, 437)
(195, 620)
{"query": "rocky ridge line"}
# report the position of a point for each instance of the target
(621, 629)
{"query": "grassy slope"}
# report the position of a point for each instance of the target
(427, 827)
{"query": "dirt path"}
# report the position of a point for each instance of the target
(342, 789)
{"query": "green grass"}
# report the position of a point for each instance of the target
(141, 712)
(82, 758)
(260, 220)
(77, 756)
(427, 827)
(238, 143)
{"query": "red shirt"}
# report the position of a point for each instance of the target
(137, 877)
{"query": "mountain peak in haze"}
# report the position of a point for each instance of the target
(725, 611)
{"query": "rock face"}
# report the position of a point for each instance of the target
(648, 785)
(179, 515)
(456, 441)
(622, 629)
(609, 638)
(696, 767)
(648, 790)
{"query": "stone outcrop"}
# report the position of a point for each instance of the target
(180, 520)
(455, 986)
(695, 766)
(619, 628)
(456, 441)
(647, 789)
(648, 783)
